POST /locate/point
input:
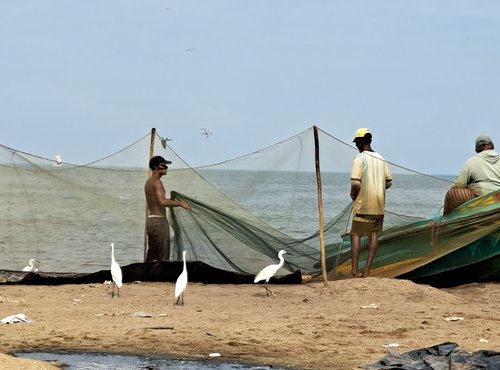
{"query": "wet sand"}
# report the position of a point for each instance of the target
(305, 326)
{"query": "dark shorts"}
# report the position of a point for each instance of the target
(158, 231)
(366, 224)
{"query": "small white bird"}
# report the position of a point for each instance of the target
(163, 141)
(58, 160)
(206, 132)
(31, 266)
(116, 272)
(181, 283)
(268, 272)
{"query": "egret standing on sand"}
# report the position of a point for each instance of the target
(181, 283)
(116, 273)
(268, 272)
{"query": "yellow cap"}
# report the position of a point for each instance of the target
(361, 132)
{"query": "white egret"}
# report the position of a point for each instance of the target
(31, 266)
(181, 283)
(116, 272)
(268, 272)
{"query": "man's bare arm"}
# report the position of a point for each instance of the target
(355, 188)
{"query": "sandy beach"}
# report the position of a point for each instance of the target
(344, 325)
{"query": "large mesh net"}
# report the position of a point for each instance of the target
(245, 210)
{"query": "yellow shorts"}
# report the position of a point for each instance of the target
(366, 224)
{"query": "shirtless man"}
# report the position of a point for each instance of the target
(157, 226)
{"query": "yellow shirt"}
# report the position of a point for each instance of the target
(374, 175)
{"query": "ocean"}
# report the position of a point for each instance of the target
(66, 220)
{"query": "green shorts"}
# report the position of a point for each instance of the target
(366, 224)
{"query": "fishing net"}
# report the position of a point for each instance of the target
(244, 210)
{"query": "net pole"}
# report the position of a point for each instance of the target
(151, 153)
(320, 207)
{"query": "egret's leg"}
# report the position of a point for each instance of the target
(268, 291)
(113, 291)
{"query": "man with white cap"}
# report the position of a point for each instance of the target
(481, 173)
(370, 177)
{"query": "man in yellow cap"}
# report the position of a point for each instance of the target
(370, 177)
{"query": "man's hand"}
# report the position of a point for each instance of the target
(186, 205)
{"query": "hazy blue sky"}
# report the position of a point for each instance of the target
(86, 78)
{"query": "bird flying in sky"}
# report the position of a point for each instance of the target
(206, 132)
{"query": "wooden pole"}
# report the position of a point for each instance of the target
(320, 207)
(151, 153)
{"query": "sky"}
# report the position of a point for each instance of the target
(84, 79)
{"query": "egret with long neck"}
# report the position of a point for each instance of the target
(116, 272)
(268, 272)
(181, 283)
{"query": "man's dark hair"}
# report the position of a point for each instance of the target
(367, 139)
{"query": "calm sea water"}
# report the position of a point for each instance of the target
(67, 220)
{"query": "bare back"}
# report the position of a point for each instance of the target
(155, 192)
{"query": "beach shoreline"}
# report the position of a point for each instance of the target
(343, 325)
